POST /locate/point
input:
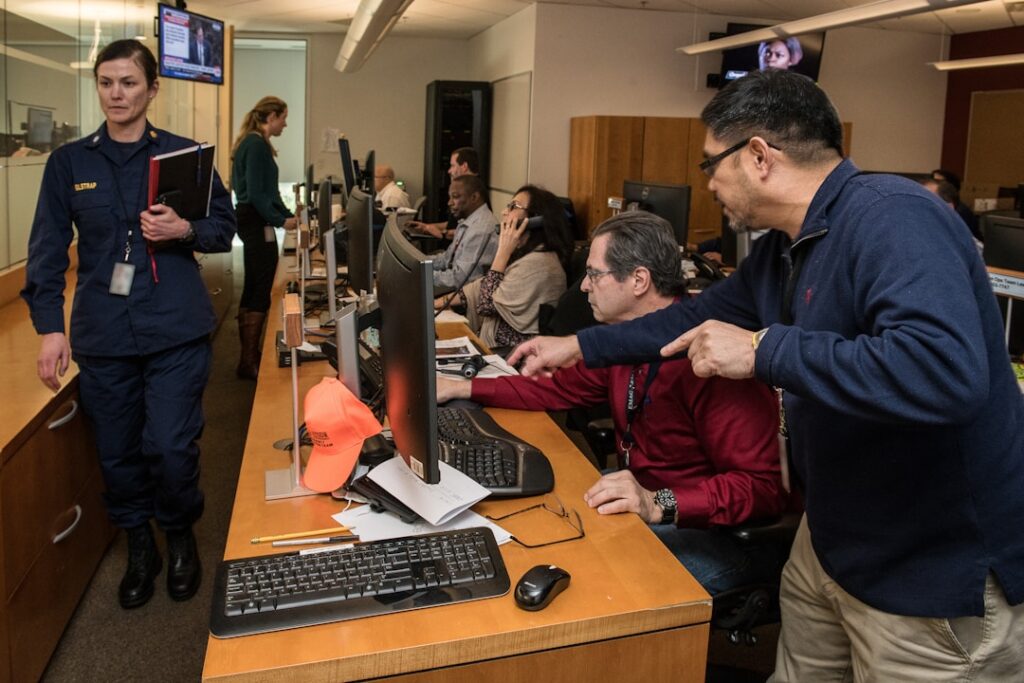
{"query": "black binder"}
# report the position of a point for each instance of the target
(183, 180)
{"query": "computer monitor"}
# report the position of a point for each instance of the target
(323, 204)
(359, 221)
(39, 133)
(309, 186)
(1004, 241)
(368, 171)
(348, 172)
(405, 291)
(671, 202)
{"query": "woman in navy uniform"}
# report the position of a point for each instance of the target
(140, 321)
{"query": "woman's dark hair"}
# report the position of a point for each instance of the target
(554, 235)
(787, 109)
(128, 48)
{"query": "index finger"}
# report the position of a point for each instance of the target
(680, 343)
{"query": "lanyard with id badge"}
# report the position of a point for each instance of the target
(124, 272)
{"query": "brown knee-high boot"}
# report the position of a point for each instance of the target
(250, 329)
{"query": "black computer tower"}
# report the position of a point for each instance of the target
(458, 115)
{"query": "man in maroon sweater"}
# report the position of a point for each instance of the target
(697, 454)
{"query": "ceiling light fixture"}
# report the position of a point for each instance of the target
(876, 11)
(372, 21)
(979, 62)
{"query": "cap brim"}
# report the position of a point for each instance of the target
(327, 472)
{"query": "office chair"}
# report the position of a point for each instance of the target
(740, 610)
(417, 206)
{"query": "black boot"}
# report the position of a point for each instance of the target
(183, 568)
(144, 565)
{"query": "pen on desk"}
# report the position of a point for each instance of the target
(299, 534)
(344, 538)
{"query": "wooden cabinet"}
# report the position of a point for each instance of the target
(605, 151)
(53, 532)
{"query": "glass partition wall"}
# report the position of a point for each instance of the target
(47, 94)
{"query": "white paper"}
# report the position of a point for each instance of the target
(329, 140)
(460, 347)
(377, 526)
(436, 503)
(496, 367)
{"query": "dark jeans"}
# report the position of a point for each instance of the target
(147, 414)
(259, 257)
(717, 560)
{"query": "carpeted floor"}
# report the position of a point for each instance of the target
(166, 640)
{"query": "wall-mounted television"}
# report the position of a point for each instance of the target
(191, 46)
(801, 54)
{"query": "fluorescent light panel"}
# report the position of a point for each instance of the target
(980, 62)
(372, 21)
(861, 14)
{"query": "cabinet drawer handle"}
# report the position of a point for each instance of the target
(217, 291)
(67, 532)
(61, 421)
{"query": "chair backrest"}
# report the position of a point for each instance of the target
(418, 207)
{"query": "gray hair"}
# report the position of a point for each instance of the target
(639, 239)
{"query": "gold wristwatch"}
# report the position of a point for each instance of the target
(755, 341)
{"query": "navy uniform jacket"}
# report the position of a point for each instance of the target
(905, 419)
(79, 187)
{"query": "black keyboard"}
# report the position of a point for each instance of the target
(290, 590)
(473, 443)
(371, 367)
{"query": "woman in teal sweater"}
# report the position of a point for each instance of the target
(259, 209)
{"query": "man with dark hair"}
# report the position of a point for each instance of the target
(708, 445)
(868, 307)
(475, 240)
(464, 161)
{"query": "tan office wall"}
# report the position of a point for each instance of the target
(382, 106)
(597, 61)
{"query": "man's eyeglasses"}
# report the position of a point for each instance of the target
(553, 505)
(708, 165)
(594, 275)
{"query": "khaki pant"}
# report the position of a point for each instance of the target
(828, 635)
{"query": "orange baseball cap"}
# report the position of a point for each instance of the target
(337, 422)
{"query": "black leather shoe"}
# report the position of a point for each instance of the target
(144, 564)
(183, 568)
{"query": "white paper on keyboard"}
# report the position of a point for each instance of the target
(436, 503)
(377, 526)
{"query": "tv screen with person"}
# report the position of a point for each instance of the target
(191, 46)
(801, 54)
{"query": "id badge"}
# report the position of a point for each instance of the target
(268, 234)
(121, 279)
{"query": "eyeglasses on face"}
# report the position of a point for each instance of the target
(594, 275)
(513, 205)
(553, 505)
(709, 165)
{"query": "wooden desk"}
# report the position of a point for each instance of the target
(631, 612)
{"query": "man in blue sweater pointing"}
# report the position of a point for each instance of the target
(870, 310)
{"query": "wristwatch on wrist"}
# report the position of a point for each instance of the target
(758, 336)
(666, 500)
(190, 235)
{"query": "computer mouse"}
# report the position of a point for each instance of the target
(540, 585)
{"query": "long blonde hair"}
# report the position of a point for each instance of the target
(258, 116)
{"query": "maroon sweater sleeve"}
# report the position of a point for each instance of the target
(567, 388)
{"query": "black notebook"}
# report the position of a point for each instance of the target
(183, 180)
